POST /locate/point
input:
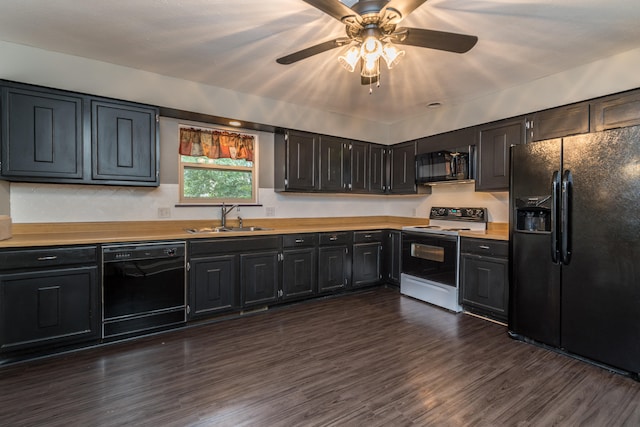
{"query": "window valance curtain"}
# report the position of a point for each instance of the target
(216, 144)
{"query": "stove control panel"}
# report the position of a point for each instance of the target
(459, 214)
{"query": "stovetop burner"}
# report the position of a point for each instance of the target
(451, 221)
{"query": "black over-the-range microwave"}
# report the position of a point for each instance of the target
(444, 166)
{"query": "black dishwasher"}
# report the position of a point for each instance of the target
(143, 288)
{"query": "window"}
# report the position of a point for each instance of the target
(217, 166)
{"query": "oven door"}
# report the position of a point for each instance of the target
(429, 256)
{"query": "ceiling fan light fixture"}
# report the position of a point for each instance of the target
(350, 59)
(371, 48)
(370, 68)
(392, 55)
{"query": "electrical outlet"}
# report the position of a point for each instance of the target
(164, 212)
(270, 211)
(415, 212)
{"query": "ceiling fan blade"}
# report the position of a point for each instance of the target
(405, 7)
(333, 8)
(441, 40)
(313, 50)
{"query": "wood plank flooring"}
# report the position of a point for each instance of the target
(374, 358)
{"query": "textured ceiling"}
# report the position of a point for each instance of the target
(234, 45)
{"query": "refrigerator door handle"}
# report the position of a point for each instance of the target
(555, 203)
(565, 212)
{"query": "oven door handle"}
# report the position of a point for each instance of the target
(428, 252)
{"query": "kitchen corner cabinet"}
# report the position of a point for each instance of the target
(403, 168)
(615, 111)
(558, 122)
(392, 251)
(484, 283)
(367, 258)
(296, 158)
(334, 267)
(48, 298)
(494, 142)
(299, 260)
(55, 136)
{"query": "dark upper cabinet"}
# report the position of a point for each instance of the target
(332, 168)
(494, 142)
(124, 142)
(213, 286)
(295, 160)
(403, 168)
(42, 134)
(55, 136)
(377, 169)
(359, 167)
(615, 111)
(558, 122)
(457, 140)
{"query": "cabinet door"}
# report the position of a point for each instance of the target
(403, 169)
(392, 256)
(298, 273)
(493, 158)
(213, 285)
(301, 152)
(484, 284)
(259, 278)
(558, 122)
(377, 169)
(41, 135)
(332, 268)
(615, 111)
(124, 143)
(359, 170)
(366, 264)
(333, 159)
(48, 307)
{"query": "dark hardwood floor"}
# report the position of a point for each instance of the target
(368, 359)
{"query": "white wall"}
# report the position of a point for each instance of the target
(55, 203)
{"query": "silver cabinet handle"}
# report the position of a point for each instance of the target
(333, 238)
(484, 247)
(299, 240)
(47, 258)
(367, 236)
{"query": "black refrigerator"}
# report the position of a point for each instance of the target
(575, 245)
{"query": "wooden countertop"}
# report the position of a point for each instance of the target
(54, 234)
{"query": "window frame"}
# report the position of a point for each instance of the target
(218, 201)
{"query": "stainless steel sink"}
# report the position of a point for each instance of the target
(224, 229)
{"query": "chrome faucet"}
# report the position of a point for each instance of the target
(224, 213)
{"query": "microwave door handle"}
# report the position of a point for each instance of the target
(454, 166)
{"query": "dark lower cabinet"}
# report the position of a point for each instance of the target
(392, 250)
(334, 261)
(484, 268)
(48, 308)
(213, 285)
(367, 258)
(298, 273)
(259, 278)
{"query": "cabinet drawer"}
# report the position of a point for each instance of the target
(47, 257)
(335, 238)
(496, 248)
(225, 245)
(367, 236)
(299, 240)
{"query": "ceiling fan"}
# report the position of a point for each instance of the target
(372, 31)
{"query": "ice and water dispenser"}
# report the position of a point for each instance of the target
(533, 213)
